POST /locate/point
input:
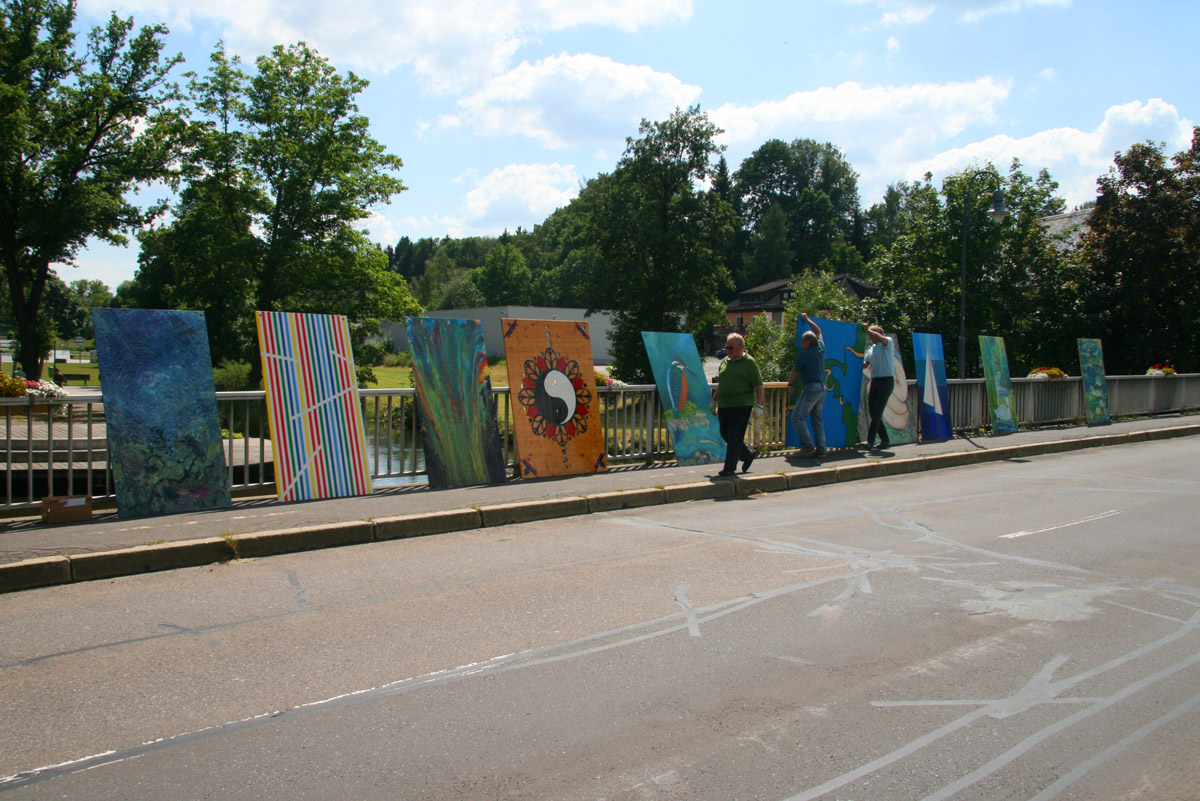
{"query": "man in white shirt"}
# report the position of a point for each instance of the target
(881, 358)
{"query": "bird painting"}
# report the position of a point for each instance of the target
(677, 384)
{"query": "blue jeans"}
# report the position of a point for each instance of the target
(810, 406)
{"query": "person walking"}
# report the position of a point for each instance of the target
(810, 369)
(738, 394)
(881, 358)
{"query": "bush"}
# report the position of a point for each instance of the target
(400, 359)
(231, 376)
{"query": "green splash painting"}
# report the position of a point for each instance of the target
(160, 405)
(455, 402)
(1095, 386)
(999, 385)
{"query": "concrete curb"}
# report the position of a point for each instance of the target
(148, 558)
(402, 526)
(45, 571)
(271, 543)
(52, 570)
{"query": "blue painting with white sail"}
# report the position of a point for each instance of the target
(933, 393)
(685, 395)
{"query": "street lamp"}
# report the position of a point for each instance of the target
(996, 213)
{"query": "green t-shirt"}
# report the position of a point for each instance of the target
(736, 382)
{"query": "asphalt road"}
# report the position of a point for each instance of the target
(1014, 630)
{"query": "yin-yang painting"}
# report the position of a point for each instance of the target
(551, 381)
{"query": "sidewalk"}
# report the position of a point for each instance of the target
(34, 554)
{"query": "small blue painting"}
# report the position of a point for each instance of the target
(933, 393)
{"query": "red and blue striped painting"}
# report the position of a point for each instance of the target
(312, 404)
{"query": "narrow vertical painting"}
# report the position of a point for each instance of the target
(160, 406)
(552, 383)
(999, 384)
(455, 402)
(899, 418)
(933, 393)
(317, 431)
(684, 394)
(1095, 386)
(845, 344)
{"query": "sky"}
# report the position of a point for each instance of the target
(502, 109)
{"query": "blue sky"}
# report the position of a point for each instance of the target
(501, 110)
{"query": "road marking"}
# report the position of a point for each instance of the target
(1100, 516)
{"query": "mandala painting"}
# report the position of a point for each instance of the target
(550, 373)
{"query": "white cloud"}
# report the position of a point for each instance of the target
(889, 123)
(519, 195)
(1074, 158)
(571, 99)
(908, 12)
(893, 44)
(451, 45)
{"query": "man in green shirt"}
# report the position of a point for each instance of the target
(739, 394)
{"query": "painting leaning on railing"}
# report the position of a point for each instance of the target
(57, 444)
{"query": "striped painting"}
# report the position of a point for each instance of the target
(454, 398)
(312, 404)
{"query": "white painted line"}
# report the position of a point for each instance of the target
(1100, 516)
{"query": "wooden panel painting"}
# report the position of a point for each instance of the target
(899, 418)
(556, 423)
(160, 404)
(312, 404)
(933, 393)
(455, 402)
(1095, 386)
(845, 344)
(999, 385)
(685, 395)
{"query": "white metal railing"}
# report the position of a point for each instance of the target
(59, 446)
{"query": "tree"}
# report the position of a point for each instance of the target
(660, 237)
(1141, 259)
(770, 256)
(773, 345)
(280, 168)
(78, 131)
(812, 183)
(505, 279)
(1019, 285)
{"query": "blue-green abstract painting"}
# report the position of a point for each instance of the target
(685, 396)
(933, 393)
(455, 402)
(1095, 386)
(999, 385)
(845, 344)
(160, 405)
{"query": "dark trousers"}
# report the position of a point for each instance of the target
(733, 422)
(877, 398)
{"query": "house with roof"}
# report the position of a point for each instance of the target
(771, 297)
(1067, 229)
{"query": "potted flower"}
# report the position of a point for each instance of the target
(42, 390)
(1161, 369)
(1047, 373)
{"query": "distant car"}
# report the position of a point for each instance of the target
(721, 353)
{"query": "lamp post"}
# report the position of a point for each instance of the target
(996, 213)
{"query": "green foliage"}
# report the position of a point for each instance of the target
(231, 376)
(660, 239)
(1019, 285)
(814, 186)
(78, 132)
(1140, 260)
(280, 167)
(770, 256)
(505, 279)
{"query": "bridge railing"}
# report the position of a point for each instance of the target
(59, 446)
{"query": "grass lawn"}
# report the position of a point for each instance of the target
(399, 377)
